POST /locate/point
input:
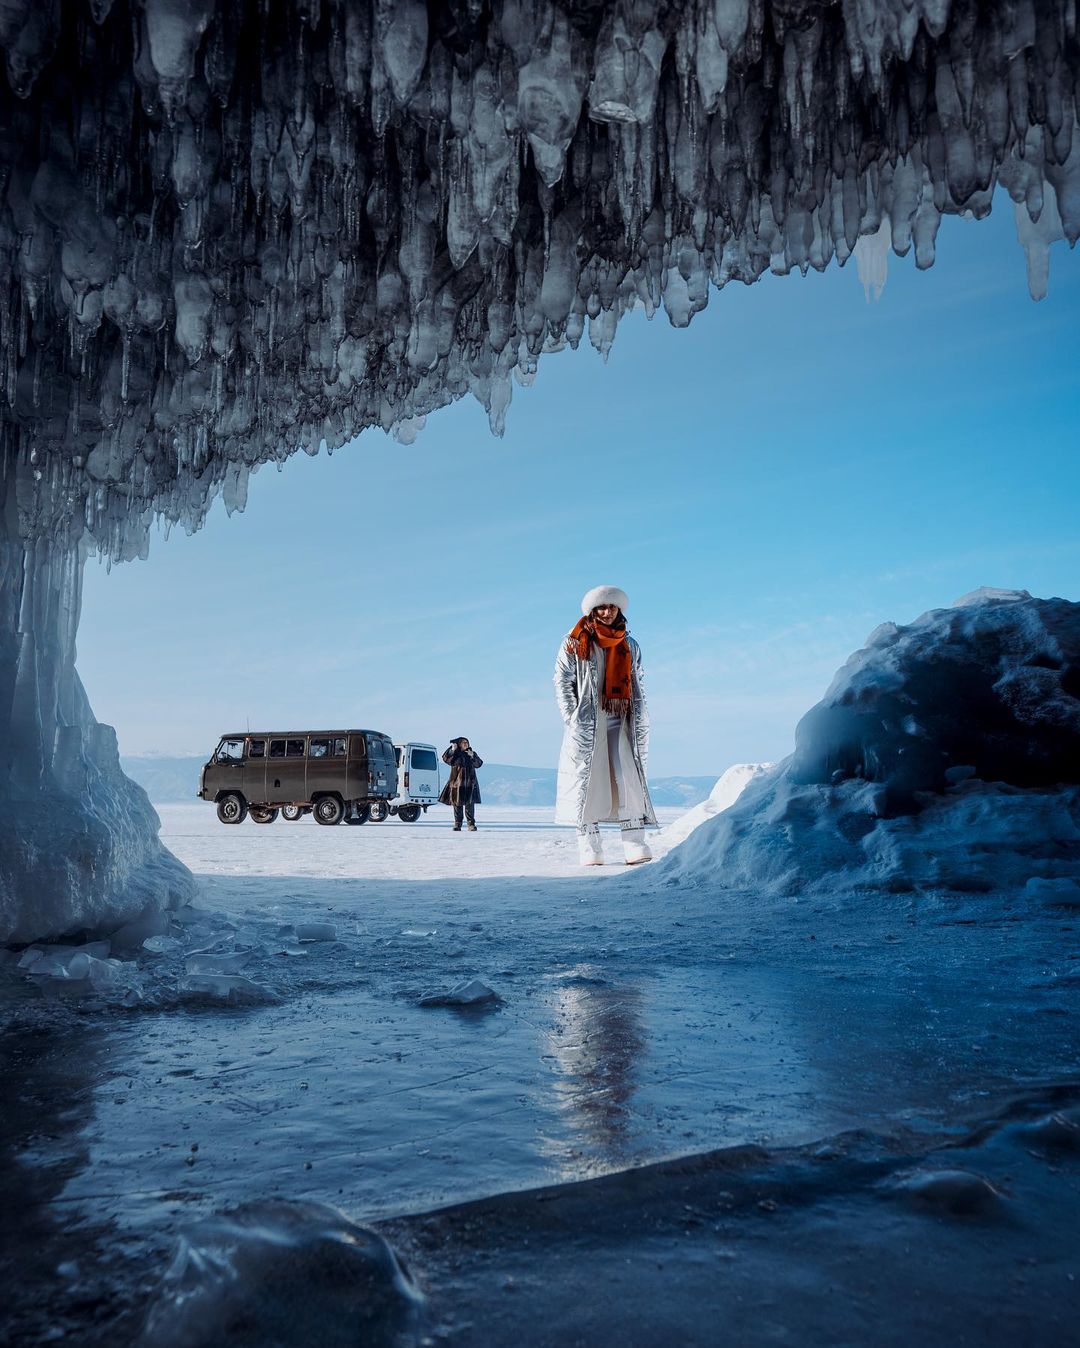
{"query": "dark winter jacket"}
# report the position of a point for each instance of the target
(462, 788)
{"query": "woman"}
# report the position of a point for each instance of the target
(598, 686)
(462, 791)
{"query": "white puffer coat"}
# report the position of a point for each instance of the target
(577, 688)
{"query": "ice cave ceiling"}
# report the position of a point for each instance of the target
(231, 228)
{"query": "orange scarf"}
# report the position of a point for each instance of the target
(618, 673)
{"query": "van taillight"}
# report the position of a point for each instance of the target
(370, 779)
(406, 779)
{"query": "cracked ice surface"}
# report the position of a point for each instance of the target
(235, 227)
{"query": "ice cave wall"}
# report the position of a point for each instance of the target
(232, 228)
(229, 228)
(78, 840)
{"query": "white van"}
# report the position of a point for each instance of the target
(418, 783)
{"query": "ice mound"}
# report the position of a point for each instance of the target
(729, 787)
(232, 229)
(945, 755)
(284, 1274)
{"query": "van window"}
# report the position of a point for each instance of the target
(397, 754)
(337, 747)
(229, 751)
(319, 749)
(294, 748)
(424, 760)
(256, 748)
(277, 748)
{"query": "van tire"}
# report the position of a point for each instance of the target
(262, 814)
(291, 813)
(377, 811)
(408, 814)
(328, 810)
(232, 808)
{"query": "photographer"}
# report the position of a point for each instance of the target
(462, 791)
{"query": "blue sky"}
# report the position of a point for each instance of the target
(767, 485)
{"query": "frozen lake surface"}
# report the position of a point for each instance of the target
(636, 1021)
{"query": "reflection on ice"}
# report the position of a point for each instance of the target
(597, 1038)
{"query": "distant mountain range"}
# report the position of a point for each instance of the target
(167, 780)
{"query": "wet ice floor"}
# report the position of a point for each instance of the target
(637, 1021)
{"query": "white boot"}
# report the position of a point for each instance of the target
(635, 848)
(590, 852)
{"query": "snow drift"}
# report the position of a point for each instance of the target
(945, 755)
(727, 790)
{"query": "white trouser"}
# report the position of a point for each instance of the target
(614, 793)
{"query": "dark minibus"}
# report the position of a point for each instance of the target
(333, 774)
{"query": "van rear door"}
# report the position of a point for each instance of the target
(423, 773)
(382, 770)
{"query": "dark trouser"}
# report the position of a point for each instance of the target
(468, 810)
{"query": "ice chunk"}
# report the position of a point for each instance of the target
(955, 1193)
(162, 945)
(288, 1274)
(1059, 893)
(226, 989)
(149, 925)
(316, 931)
(471, 992)
(230, 963)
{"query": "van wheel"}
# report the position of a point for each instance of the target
(292, 813)
(328, 810)
(262, 814)
(357, 815)
(232, 808)
(408, 814)
(377, 811)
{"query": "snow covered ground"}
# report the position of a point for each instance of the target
(636, 1020)
(511, 840)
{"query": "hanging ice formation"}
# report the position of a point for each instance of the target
(232, 228)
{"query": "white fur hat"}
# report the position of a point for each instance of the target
(604, 594)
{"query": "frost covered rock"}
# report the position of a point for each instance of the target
(283, 1274)
(945, 755)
